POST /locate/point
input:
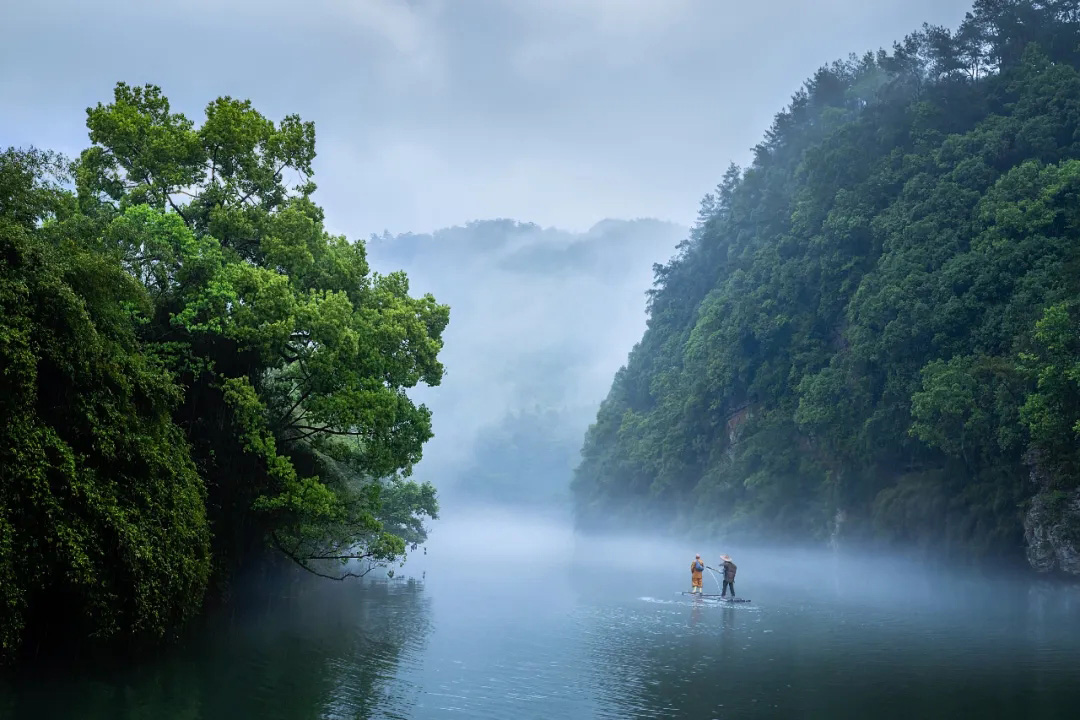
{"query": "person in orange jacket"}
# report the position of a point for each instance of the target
(696, 569)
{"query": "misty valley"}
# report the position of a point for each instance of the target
(813, 453)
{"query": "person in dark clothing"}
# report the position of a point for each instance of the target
(729, 576)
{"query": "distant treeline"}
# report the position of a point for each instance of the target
(873, 332)
(192, 370)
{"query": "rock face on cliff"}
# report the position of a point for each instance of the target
(1052, 522)
(1052, 532)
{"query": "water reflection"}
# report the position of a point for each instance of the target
(304, 649)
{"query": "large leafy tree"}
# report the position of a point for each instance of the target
(295, 358)
(192, 369)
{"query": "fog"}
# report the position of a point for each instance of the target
(524, 545)
(540, 320)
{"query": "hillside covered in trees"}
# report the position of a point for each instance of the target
(192, 370)
(872, 334)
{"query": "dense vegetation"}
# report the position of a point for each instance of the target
(872, 331)
(193, 369)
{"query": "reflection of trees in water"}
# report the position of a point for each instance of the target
(304, 649)
(398, 626)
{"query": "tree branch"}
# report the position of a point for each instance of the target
(328, 431)
(168, 197)
(288, 413)
(339, 577)
(303, 436)
(179, 212)
(276, 172)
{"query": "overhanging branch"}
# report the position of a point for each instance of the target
(303, 560)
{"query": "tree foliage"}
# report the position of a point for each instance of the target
(852, 329)
(103, 526)
(190, 357)
(278, 329)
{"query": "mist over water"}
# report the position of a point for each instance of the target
(514, 615)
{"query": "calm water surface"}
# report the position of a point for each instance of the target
(510, 619)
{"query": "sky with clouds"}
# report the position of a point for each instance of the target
(431, 113)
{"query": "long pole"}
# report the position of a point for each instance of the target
(714, 578)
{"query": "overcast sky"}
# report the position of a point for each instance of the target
(430, 113)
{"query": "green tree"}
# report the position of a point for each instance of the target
(294, 356)
(1052, 411)
(193, 370)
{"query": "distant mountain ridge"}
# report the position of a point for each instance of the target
(540, 318)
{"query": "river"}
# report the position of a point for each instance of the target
(511, 617)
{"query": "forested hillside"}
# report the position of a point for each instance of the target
(192, 370)
(871, 334)
(542, 318)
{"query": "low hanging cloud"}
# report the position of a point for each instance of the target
(432, 113)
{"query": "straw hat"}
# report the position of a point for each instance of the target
(726, 558)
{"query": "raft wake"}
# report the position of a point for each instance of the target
(717, 597)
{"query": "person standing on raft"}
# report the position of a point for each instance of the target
(729, 576)
(696, 569)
